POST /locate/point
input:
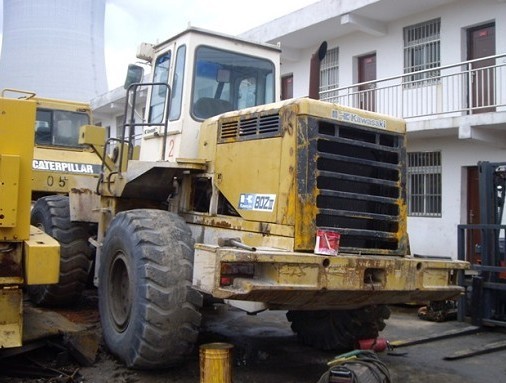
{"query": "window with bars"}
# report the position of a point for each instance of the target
(329, 75)
(424, 184)
(422, 51)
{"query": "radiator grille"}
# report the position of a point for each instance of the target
(250, 127)
(359, 177)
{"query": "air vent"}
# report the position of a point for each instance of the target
(251, 127)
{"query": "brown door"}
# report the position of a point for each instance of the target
(481, 43)
(367, 72)
(473, 215)
(286, 87)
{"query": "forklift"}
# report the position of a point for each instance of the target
(485, 298)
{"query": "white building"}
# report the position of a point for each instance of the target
(420, 60)
(452, 122)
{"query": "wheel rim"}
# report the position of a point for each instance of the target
(119, 294)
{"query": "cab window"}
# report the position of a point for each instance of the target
(177, 84)
(226, 81)
(159, 92)
(59, 127)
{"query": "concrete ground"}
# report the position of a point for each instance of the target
(266, 351)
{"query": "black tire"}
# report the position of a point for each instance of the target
(148, 310)
(338, 330)
(52, 215)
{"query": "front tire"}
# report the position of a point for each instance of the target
(51, 214)
(338, 330)
(148, 310)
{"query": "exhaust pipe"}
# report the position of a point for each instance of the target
(314, 71)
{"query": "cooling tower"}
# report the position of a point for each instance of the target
(54, 47)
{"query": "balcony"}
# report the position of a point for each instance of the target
(469, 95)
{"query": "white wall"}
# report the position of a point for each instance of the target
(428, 236)
(389, 48)
(300, 71)
(438, 236)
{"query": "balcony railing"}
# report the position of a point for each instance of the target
(469, 87)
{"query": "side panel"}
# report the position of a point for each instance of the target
(41, 258)
(16, 139)
(254, 164)
(248, 174)
(9, 177)
(55, 168)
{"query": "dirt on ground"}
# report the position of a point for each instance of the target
(265, 350)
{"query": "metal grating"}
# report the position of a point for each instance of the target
(422, 50)
(424, 184)
(329, 75)
(251, 127)
(358, 177)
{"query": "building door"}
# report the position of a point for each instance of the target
(481, 43)
(473, 215)
(287, 87)
(366, 92)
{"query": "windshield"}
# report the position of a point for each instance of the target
(227, 81)
(59, 127)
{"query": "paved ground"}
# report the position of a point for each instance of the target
(266, 351)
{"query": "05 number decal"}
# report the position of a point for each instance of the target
(60, 181)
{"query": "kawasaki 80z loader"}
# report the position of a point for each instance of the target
(296, 205)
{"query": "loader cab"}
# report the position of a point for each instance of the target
(59, 127)
(57, 122)
(208, 74)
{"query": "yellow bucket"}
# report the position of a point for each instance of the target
(216, 363)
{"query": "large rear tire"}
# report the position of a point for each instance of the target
(338, 330)
(148, 310)
(51, 214)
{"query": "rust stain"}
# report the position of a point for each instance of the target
(222, 224)
(81, 191)
(306, 222)
(288, 118)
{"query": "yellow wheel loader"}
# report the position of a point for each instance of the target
(59, 163)
(297, 205)
(28, 257)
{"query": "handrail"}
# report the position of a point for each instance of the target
(456, 88)
(128, 141)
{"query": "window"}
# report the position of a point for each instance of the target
(424, 184)
(120, 120)
(422, 51)
(159, 92)
(329, 75)
(226, 81)
(177, 84)
(287, 87)
(59, 127)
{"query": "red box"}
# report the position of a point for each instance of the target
(327, 242)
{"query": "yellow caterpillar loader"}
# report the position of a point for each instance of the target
(296, 205)
(59, 163)
(27, 255)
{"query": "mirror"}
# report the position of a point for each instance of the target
(134, 75)
(223, 75)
